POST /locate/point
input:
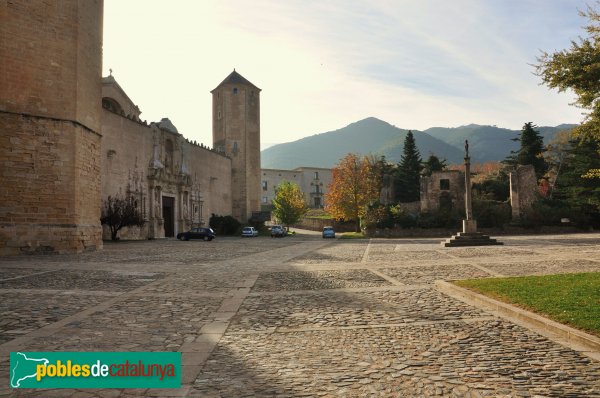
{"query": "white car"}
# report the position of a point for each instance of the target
(249, 232)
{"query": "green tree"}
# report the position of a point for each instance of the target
(433, 163)
(531, 151)
(119, 212)
(574, 187)
(578, 69)
(288, 205)
(494, 187)
(355, 184)
(409, 172)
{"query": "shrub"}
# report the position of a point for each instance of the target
(440, 219)
(490, 213)
(224, 225)
(379, 216)
(403, 218)
(494, 188)
(548, 212)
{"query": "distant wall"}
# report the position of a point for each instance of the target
(317, 224)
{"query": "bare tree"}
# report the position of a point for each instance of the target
(119, 212)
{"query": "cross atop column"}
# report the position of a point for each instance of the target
(469, 235)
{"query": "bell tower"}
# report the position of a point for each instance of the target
(236, 131)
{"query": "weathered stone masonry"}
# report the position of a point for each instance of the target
(50, 63)
(69, 139)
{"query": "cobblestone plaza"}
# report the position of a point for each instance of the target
(298, 316)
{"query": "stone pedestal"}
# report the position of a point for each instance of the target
(469, 226)
(470, 239)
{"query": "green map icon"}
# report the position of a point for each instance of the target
(23, 367)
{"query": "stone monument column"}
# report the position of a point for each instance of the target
(469, 224)
(469, 235)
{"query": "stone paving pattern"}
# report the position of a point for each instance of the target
(298, 316)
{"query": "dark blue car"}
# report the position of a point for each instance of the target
(197, 233)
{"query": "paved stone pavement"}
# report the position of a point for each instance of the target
(298, 316)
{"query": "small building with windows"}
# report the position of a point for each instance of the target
(443, 190)
(313, 181)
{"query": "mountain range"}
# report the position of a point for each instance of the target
(377, 137)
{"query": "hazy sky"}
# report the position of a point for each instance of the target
(324, 64)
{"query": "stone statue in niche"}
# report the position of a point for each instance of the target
(157, 212)
(186, 214)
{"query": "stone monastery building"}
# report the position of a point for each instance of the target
(70, 138)
(177, 183)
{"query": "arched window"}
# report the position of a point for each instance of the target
(111, 105)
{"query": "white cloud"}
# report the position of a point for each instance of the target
(323, 65)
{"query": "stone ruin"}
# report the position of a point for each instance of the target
(523, 190)
(443, 190)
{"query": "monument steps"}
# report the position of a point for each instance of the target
(470, 239)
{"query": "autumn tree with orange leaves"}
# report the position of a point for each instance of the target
(355, 184)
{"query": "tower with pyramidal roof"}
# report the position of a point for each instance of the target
(236, 131)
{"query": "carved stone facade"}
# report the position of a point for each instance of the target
(178, 184)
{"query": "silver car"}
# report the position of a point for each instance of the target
(249, 232)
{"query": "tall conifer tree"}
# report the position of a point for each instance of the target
(409, 172)
(531, 151)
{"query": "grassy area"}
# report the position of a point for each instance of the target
(352, 235)
(318, 214)
(572, 299)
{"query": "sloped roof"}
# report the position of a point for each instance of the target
(235, 78)
(110, 81)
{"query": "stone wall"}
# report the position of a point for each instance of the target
(317, 224)
(50, 103)
(135, 162)
(410, 207)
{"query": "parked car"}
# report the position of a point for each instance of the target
(249, 232)
(277, 231)
(328, 232)
(197, 233)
